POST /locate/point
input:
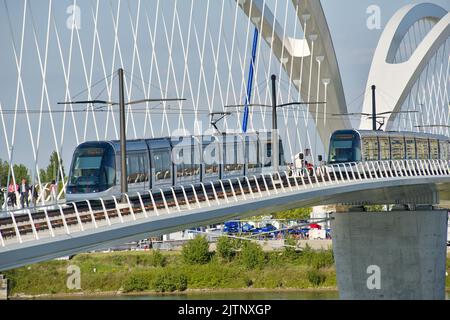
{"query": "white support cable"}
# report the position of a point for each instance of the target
(186, 72)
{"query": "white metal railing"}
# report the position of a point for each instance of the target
(25, 225)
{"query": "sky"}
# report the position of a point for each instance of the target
(353, 41)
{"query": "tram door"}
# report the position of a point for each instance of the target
(162, 169)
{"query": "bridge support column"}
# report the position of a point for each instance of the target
(390, 255)
(3, 288)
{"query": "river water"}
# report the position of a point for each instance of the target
(227, 295)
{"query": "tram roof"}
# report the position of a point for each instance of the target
(371, 133)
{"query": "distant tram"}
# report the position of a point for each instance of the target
(365, 145)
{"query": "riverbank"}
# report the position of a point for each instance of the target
(151, 273)
(203, 294)
(161, 272)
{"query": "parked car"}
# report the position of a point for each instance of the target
(247, 227)
(231, 227)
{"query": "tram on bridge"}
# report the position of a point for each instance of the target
(366, 145)
(167, 162)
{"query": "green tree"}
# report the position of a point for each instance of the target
(53, 170)
(21, 172)
(295, 214)
(227, 247)
(252, 255)
(43, 175)
(4, 169)
(196, 251)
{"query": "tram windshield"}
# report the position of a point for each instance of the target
(92, 169)
(343, 148)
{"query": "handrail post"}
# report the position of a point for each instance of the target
(78, 216)
(224, 191)
(186, 198)
(33, 227)
(105, 211)
(49, 223)
(92, 214)
(165, 201)
(215, 193)
(175, 199)
(63, 219)
(118, 209)
(142, 205)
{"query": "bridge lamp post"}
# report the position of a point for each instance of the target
(122, 104)
(275, 106)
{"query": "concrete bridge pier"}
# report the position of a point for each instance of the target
(390, 255)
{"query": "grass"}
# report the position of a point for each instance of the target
(152, 271)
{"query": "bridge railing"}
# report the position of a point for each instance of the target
(18, 226)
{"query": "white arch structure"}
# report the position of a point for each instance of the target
(410, 69)
(310, 63)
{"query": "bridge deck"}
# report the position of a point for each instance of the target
(227, 198)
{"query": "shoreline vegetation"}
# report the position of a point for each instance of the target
(234, 266)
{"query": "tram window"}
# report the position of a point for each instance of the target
(370, 147)
(162, 163)
(397, 148)
(137, 169)
(110, 169)
(210, 160)
(231, 157)
(422, 149)
(434, 149)
(180, 166)
(281, 160)
(384, 148)
(252, 154)
(341, 150)
(267, 154)
(443, 148)
(196, 161)
(410, 148)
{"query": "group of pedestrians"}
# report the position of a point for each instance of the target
(25, 192)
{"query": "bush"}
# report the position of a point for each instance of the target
(136, 282)
(252, 255)
(289, 251)
(169, 281)
(316, 277)
(196, 251)
(316, 259)
(157, 259)
(227, 247)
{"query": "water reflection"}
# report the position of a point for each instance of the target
(265, 295)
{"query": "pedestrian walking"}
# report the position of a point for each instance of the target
(24, 189)
(12, 189)
(53, 190)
